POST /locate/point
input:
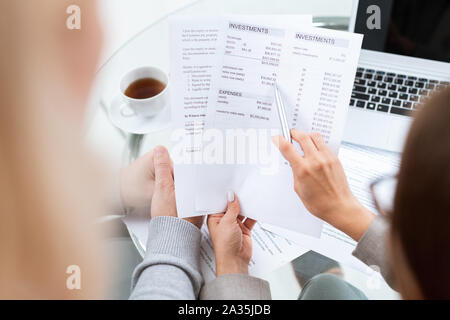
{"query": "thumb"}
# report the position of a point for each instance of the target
(163, 171)
(233, 209)
(213, 220)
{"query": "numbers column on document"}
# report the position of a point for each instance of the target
(324, 115)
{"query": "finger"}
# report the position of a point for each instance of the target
(249, 223)
(148, 158)
(244, 228)
(305, 142)
(287, 149)
(318, 141)
(216, 215)
(199, 219)
(213, 220)
(233, 208)
(171, 167)
(196, 221)
(163, 167)
(241, 225)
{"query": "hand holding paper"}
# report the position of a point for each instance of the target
(231, 236)
(320, 182)
(361, 165)
(226, 69)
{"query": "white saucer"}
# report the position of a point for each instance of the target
(137, 125)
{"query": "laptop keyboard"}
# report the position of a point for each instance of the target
(391, 92)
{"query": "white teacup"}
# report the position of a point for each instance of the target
(143, 107)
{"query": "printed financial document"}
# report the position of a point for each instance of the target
(193, 56)
(315, 70)
(194, 47)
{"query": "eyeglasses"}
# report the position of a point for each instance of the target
(383, 192)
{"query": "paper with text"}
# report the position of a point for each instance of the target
(193, 56)
(315, 70)
(194, 44)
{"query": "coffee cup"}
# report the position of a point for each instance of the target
(144, 92)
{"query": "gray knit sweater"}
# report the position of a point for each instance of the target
(171, 266)
(170, 269)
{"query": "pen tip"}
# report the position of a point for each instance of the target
(275, 86)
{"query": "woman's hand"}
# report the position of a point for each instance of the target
(163, 200)
(320, 182)
(231, 239)
(137, 182)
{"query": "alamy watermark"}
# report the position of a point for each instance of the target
(73, 21)
(374, 20)
(73, 281)
(227, 147)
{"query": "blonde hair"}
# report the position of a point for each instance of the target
(49, 186)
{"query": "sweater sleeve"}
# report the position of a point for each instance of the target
(372, 249)
(170, 269)
(236, 287)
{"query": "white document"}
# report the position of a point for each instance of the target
(315, 70)
(194, 45)
(193, 56)
(362, 166)
(269, 250)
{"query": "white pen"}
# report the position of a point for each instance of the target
(282, 114)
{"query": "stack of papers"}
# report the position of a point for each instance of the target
(223, 71)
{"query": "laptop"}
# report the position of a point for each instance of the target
(401, 64)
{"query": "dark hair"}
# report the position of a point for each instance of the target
(421, 215)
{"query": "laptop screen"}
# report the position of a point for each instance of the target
(417, 28)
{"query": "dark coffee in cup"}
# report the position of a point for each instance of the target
(144, 88)
(144, 91)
